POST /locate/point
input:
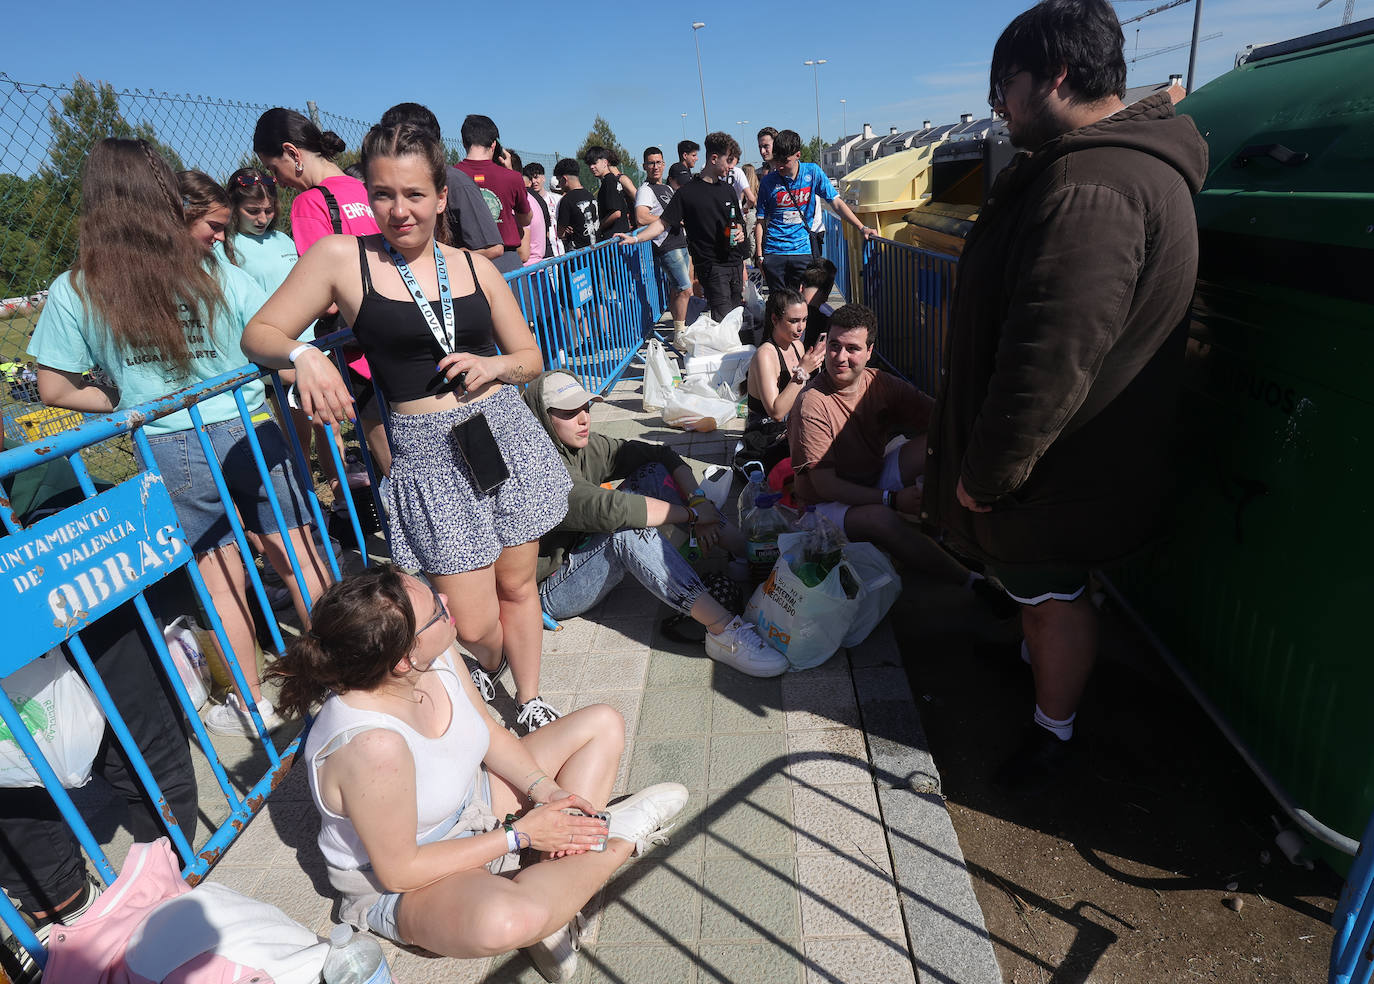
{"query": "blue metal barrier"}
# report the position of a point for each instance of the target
(590, 309)
(910, 290)
(66, 571)
(836, 250)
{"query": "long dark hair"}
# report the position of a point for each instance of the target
(361, 627)
(779, 301)
(201, 195)
(136, 262)
(286, 126)
(409, 140)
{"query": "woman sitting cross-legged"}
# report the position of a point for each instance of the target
(609, 533)
(410, 775)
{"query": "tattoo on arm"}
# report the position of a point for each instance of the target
(519, 375)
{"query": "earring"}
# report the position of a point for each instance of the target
(299, 167)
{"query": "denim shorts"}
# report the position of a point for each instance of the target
(677, 265)
(203, 516)
(381, 917)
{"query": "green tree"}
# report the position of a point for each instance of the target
(811, 151)
(602, 135)
(89, 113)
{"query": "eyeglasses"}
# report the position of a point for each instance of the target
(440, 613)
(254, 178)
(999, 89)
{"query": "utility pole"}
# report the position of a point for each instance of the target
(697, 26)
(1192, 52)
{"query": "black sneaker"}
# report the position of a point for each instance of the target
(15, 961)
(535, 714)
(1038, 763)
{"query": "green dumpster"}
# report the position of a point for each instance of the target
(1261, 592)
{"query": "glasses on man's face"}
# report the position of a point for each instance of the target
(254, 178)
(440, 611)
(998, 97)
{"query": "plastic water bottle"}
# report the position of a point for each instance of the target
(761, 528)
(354, 959)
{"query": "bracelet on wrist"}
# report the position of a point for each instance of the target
(692, 515)
(887, 498)
(512, 840)
(298, 351)
(529, 790)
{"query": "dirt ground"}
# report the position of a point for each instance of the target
(1128, 868)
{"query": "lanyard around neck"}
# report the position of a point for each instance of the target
(445, 337)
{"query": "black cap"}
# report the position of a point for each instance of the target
(680, 173)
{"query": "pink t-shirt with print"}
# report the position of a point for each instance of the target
(310, 213)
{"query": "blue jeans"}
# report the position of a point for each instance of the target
(203, 516)
(591, 570)
(675, 264)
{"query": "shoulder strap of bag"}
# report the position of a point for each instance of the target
(332, 203)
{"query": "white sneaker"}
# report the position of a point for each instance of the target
(739, 645)
(642, 819)
(231, 720)
(535, 713)
(555, 956)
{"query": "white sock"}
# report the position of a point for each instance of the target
(679, 325)
(1063, 730)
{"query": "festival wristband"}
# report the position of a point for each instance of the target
(512, 841)
(887, 497)
(296, 352)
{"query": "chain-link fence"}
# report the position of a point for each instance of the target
(47, 131)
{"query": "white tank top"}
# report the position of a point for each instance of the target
(446, 768)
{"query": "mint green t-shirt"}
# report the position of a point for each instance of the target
(267, 258)
(71, 339)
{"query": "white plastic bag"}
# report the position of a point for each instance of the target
(882, 586)
(691, 409)
(58, 709)
(183, 643)
(705, 336)
(660, 375)
(753, 300)
(716, 484)
(807, 625)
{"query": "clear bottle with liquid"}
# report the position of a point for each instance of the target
(761, 528)
(354, 958)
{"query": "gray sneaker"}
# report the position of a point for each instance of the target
(643, 819)
(555, 956)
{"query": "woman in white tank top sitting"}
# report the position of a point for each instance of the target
(410, 774)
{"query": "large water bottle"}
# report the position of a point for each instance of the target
(354, 958)
(761, 528)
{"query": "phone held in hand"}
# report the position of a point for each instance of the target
(478, 448)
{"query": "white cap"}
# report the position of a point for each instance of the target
(562, 391)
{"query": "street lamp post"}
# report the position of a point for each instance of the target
(684, 126)
(816, 64)
(741, 122)
(844, 120)
(697, 26)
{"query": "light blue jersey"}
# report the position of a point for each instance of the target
(72, 339)
(267, 258)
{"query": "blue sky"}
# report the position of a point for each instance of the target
(543, 71)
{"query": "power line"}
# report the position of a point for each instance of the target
(1172, 47)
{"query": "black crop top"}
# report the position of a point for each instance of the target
(756, 406)
(401, 350)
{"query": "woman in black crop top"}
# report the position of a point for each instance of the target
(439, 377)
(777, 373)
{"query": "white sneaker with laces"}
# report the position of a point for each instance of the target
(642, 819)
(739, 645)
(555, 956)
(231, 720)
(535, 713)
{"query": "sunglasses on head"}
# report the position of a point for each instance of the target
(254, 178)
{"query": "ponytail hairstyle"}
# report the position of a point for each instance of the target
(361, 627)
(778, 302)
(279, 126)
(136, 262)
(248, 184)
(201, 195)
(409, 140)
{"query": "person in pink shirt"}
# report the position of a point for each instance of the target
(329, 202)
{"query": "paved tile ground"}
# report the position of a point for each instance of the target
(781, 868)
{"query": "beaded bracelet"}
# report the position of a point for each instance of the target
(529, 790)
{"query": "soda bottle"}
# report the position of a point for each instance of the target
(354, 959)
(828, 544)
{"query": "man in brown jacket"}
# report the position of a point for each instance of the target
(1048, 452)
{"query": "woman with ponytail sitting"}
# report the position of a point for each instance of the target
(410, 774)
